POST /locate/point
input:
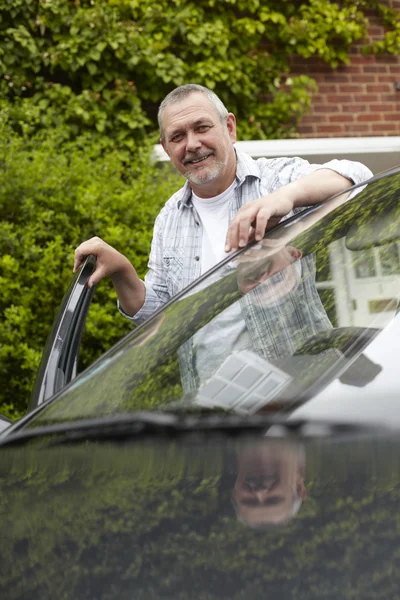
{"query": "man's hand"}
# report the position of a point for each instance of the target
(257, 265)
(130, 289)
(109, 261)
(253, 219)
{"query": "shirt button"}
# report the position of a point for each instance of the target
(197, 258)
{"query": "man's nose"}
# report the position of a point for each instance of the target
(261, 495)
(193, 142)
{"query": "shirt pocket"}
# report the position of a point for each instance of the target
(173, 266)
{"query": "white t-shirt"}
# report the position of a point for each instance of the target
(214, 215)
(226, 332)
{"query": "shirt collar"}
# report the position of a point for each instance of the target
(246, 167)
(185, 196)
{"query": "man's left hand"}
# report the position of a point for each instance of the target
(253, 219)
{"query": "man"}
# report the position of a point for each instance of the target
(269, 488)
(228, 199)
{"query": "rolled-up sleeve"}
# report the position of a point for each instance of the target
(295, 168)
(354, 171)
(298, 167)
(156, 286)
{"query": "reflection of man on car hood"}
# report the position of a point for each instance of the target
(269, 487)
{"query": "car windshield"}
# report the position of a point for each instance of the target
(267, 328)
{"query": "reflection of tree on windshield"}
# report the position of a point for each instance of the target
(269, 487)
(147, 376)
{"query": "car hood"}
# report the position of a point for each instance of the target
(166, 518)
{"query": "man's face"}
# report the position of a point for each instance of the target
(270, 478)
(199, 144)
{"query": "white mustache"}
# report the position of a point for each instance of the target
(190, 157)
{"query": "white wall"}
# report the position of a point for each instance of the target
(377, 153)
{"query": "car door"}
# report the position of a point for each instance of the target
(60, 357)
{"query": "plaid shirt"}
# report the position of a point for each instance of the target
(175, 260)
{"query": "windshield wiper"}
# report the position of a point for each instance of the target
(140, 424)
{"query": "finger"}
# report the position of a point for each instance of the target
(261, 223)
(97, 275)
(79, 257)
(232, 236)
(235, 228)
(252, 235)
(81, 253)
(92, 246)
(244, 228)
(240, 229)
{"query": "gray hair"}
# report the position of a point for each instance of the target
(182, 92)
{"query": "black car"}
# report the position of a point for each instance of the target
(243, 442)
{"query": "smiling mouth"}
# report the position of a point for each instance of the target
(197, 161)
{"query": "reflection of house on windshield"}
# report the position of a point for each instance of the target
(361, 288)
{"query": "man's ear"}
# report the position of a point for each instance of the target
(164, 146)
(231, 126)
(295, 253)
(301, 488)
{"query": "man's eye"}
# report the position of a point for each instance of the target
(203, 128)
(177, 138)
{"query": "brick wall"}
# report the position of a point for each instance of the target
(355, 100)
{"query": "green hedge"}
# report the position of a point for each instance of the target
(80, 83)
(51, 199)
(105, 65)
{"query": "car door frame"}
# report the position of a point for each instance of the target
(59, 363)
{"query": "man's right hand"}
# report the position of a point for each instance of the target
(130, 289)
(109, 260)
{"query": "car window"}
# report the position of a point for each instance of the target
(60, 357)
(267, 328)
